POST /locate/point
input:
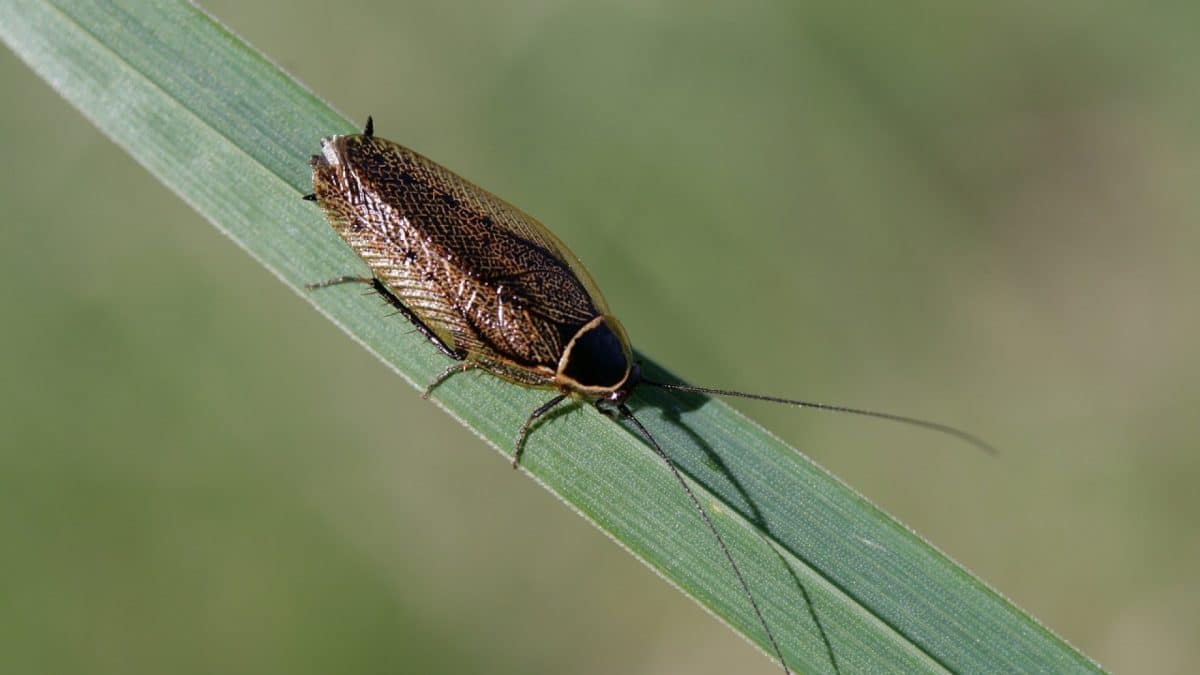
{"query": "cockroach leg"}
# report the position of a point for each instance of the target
(348, 279)
(533, 416)
(401, 308)
(451, 370)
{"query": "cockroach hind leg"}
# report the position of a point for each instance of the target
(403, 310)
(450, 371)
(346, 279)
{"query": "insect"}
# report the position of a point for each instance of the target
(494, 290)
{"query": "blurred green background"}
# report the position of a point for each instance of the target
(982, 215)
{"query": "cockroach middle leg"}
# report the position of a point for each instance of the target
(457, 355)
(451, 370)
(533, 416)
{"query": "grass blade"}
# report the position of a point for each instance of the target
(844, 586)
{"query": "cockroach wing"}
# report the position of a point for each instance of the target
(486, 277)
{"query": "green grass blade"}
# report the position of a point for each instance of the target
(839, 581)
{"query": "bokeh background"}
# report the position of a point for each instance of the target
(980, 214)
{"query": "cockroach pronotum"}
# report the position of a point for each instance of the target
(494, 290)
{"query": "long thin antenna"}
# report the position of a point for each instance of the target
(628, 414)
(934, 426)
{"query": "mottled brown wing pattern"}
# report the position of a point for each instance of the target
(484, 276)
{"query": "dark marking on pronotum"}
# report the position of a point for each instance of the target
(493, 289)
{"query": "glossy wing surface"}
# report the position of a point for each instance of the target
(484, 275)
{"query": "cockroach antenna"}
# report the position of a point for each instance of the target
(626, 413)
(891, 417)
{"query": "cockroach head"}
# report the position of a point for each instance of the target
(612, 402)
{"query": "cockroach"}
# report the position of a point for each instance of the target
(494, 290)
